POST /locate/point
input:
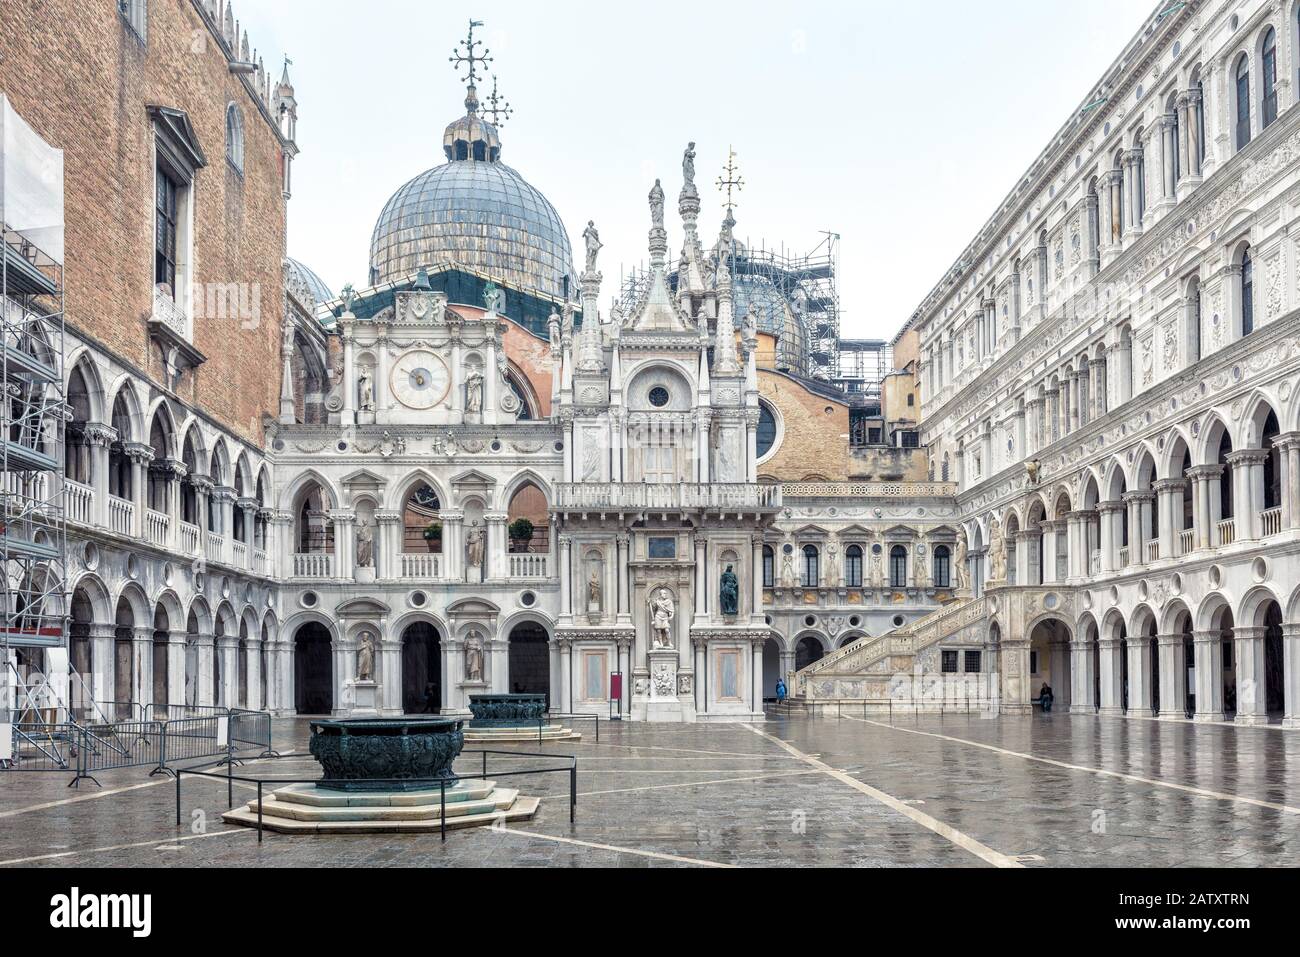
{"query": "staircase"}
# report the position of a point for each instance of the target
(897, 669)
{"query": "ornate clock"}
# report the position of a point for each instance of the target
(420, 379)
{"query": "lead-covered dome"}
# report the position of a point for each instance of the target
(476, 211)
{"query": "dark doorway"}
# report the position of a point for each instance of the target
(806, 652)
(1274, 697)
(530, 661)
(421, 667)
(313, 670)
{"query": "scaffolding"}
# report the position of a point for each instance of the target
(794, 297)
(33, 407)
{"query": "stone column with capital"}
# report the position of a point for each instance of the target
(1288, 446)
(1252, 683)
(1140, 698)
(1112, 677)
(1083, 676)
(1291, 674)
(175, 673)
(1207, 655)
(1173, 676)
(142, 665)
(1247, 492)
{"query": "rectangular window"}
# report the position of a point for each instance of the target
(1243, 108)
(769, 568)
(165, 216)
(942, 570)
(853, 567)
(898, 567)
(136, 15)
(949, 663)
(1033, 662)
(1247, 296)
(811, 566)
(909, 440)
(972, 662)
(661, 547)
(728, 675)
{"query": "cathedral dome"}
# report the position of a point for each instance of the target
(475, 211)
(301, 277)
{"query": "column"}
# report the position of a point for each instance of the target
(1291, 674)
(701, 584)
(490, 377)
(453, 548)
(1207, 657)
(103, 659)
(1168, 163)
(1109, 545)
(1194, 147)
(1248, 492)
(498, 560)
(256, 693)
(175, 673)
(1083, 677)
(756, 674)
(1112, 678)
(622, 543)
(1139, 677)
(228, 649)
(565, 646)
(207, 655)
(1252, 707)
(566, 575)
(1288, 446)
(348, 415)
(1173, 676)
(1167, 492)
(756, 578)
(1185, 121)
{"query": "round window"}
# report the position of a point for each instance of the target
(765, 435)
(659, 397)
(528, 599)
(418, 599)
(898, 621)
(308, 599)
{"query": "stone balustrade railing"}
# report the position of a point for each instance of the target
(528, 565)
(78, 502)
(121, 515)
(859, 490)
(686, 495)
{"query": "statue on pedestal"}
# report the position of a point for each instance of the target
(959, 559)
(729, 592)
(365, 546)
(592, 238)
(366, 657)
(593, 589)
(997, 552)
(657, 205)
(474, 547)
(474, 657)
(474, 391)
(366, 391)
(688, 167)
(662, 612)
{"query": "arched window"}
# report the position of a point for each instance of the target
(942, 567)
(898, 567)
(1243, 101)
(769, 567)
(853, 566)
(1247, 293)
(1268, 81)
(811, 566)
(235, 137)
(765, 435)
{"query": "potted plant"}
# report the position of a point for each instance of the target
(521, 533)
(433, 536)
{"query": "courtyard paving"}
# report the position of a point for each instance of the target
(1046, 791)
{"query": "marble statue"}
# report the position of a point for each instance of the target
(474, 391)
(365, 546)
(657, 205)
(688, 167)
(493, 298)
(959, 560)
(366, 657)
(918, 566)
(1031, 471)
(787, 571)
(997, 552)
(474, 547)
(366, 389)
(474, 657)
(729, 592)
(349, 297)
(593, 589)
(662, 612)
(592, 238)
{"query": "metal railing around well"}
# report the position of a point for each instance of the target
(231, 779)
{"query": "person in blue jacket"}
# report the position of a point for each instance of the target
(780, 690)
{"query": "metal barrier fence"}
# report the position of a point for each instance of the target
(86, 749)
(231, 778)
(579, 717)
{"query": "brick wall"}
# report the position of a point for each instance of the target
(814, 436)
(77, 73)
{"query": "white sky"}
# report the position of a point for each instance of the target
(898, 125)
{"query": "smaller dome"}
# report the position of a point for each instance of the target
(295, 273)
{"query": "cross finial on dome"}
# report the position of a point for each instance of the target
(498, 106)
(731, 180)
(470, 59)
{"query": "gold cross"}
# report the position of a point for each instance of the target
(732, 181)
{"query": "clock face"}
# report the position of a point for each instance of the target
(420, 379)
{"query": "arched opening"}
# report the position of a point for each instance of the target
(1049, 663)
(123, 660)
(158, 482)
(77, 459)
(530, 660)
(1247, 292)
(808, 650)
(1034, 541)
(80, 652)
(1222, 622)
(421, 529)
(769, 567)
(241, 664)
(119, 466)
(313, 669)
(771, 668)
(421, 669)
(315, 531)
(1241, 87)
(1274, 687)
(528, 520)
(192, 659)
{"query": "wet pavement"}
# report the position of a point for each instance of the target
(1046, 791)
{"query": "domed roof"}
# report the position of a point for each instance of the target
(476, 211)
(299, 275)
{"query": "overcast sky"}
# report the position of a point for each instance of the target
(900, 125)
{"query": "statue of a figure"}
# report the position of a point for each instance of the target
(366, 657)
(688, 166)
(493, 298)
(474, 547)
(553, 329)
(657, 205)
(997, 552)
(662, 612)
(729, 592)
(593, 588)
(349, 297)
(366, 390)
(959, 559)
(365, 546)
(592, 238)
(474, 657)
(474, 391)
(1031, 471)
(918, 566)
(787, 571)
